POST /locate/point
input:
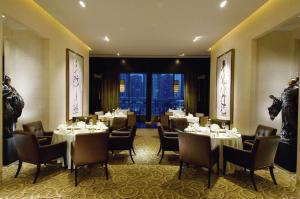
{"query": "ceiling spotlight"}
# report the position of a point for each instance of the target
(197, 38)
(209, 49)
(181, 55)
(118, 54)
(82, 4)
(3, 16)
(123, 61)
(106, 39)
(177, 61)
(223, 4)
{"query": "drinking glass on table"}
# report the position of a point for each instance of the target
(223, 125)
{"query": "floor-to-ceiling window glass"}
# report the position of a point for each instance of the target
(133, 88)
(167, 92)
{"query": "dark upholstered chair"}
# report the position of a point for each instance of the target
(261, 131)
(119, 123)
(123, 141)
(89, 148)
(179, 124)
(203, 120)
(30, 151)
(37, 129)
(131, 119)
(261, 156)
(196, 149)
(164, 121)
(167, 143)
(219, 122)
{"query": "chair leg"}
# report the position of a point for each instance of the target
(218, 167)
(106, 171)
(252, 179)
(65, 162)
(209, 174)
(159, 151)
(133, 150)
(131, 155)
(19, 168)
(76, 172)
(162, 155)
(38, 168)
(272, 174)
(71, 166)
(180, 170)
(224, 167)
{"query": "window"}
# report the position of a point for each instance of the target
(133, 93)
(164, 93)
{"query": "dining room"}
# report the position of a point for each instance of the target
(162, 99)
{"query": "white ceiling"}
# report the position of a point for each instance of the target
(150, 27)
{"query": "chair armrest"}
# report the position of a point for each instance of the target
(170, 134)
(237, 156)
(248, 144)
(179, 131)
(120, 133)
(48, 133)
(52, 151)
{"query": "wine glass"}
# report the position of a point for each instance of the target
(223, 125)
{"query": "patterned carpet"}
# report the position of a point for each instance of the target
(144, 179)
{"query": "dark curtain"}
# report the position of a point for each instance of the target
(190, 92)
(110, 91)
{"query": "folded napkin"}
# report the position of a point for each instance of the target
(190, 115)
(108, 114)
(81, 124)
(214, 127)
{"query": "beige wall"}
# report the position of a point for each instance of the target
(276, 64)
(35, 18)
(59, 38)
(243, 40)
(25, 54)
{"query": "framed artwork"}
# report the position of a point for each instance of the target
(225, 77)
(74, 84)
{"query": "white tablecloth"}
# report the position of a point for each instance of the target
(189, 119)
(69, 136)
(220, 139)
(110, 117)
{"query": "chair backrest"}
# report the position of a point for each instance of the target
(264, 151)
(131, 120)
(262, 131)
(118, 123)
(27, 147)
(169, 113)
(91, 148)
(35, 128)
(194, 148)
(164, 121)
(179, 123)
(203, 120)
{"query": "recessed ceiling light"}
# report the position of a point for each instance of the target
(181, 55)
(177, 61)
(223, 4)
(3, 16)
(123, 61)
(82, 4)
(118, 54)
(197, 38)
(209, 49)
(106, 39)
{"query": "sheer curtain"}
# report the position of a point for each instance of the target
(190, 92)
(110, 91)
